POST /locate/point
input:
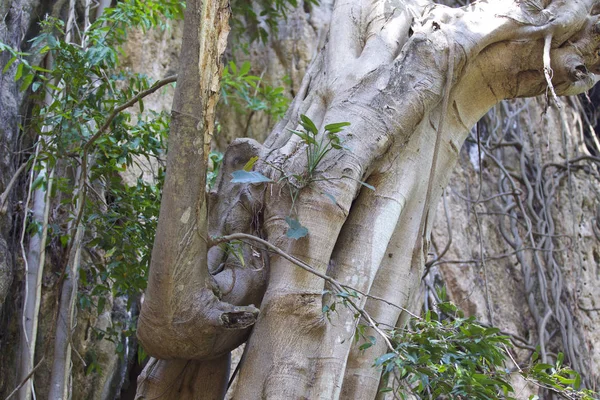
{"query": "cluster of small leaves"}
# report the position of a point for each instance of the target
(341, 298)
(447, 355)
(125, 231)
(455, 357)
(557, 378)
(317, 148)
(112, 26)
(246, 93)
(215, 161)
(120, 333)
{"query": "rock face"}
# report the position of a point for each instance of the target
(282, 61)
(524, 244)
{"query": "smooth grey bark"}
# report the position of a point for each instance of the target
(411, 89)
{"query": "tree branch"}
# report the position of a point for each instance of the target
(26, 379)
(157, 85)
(4, 195)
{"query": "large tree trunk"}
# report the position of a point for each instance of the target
(411, 90)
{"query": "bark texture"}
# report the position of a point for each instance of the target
(186, 314)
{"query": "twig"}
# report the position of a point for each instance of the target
(157, 85)
(26, 379)
(337, 285)
(13, 180)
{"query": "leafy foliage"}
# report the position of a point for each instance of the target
(456, 357)
(246, 93)
(448, 355)
(317, 148)
(84, 85)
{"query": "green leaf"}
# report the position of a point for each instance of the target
(19, 72)
(365, 346)
(101, 304)
(248, 166)
(295, 230)
(242, 176)
(308, 124)
(542, 367)
(141, 355)
(577, 383)
(38, 181)
(566, 381)
(26, 82)
(447, 308)
(64, 240)
(40, 69)
(8, 64)
(245, 68)
(336, 127)
(304, 136)
(535, 356)
(382, 359)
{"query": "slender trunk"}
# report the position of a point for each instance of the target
(60, 379)
(34, 265)
(60, 385)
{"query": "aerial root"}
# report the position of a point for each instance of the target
(548, 73)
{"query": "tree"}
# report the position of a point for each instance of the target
(410, 88)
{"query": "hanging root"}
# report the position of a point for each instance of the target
(548, 73)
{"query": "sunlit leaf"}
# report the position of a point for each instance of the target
(336, 127)
(248, 166)
(308, 124)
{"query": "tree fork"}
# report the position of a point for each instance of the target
(389, 84)
(179, 301)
